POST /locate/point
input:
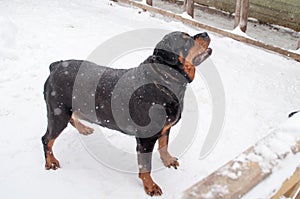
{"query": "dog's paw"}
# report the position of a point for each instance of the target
(153, 190)
(52, 163)
(171, 162)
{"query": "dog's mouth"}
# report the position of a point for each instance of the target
(201, 57)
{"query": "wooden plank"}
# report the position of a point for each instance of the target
(228, 5)
(288, 16)
(275, 5)
(296, 148)
(294, 192)
(237, 177)
(278, 5)
(290, 187)
(225, 33)
(219, 185)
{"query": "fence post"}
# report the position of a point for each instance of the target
(190, 8)
(149, 2)
(244, 15)
(241, 14)
(184, 5)
(237, 13)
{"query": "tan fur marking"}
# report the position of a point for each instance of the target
(83, 129)
(188, 66)
(51, 161)
(165, 156)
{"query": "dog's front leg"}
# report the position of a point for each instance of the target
(168, 160)
(144, 153)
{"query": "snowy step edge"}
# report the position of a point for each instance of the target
(240, 175)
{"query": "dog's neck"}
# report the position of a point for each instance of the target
(164, 75)
(165, 68)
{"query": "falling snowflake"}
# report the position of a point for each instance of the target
(57, 111)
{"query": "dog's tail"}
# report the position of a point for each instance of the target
(54, 65)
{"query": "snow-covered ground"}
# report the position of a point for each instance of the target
(261, 89)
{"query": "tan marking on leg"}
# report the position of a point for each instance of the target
(51, 161)
(83, 129)
(165, 156)
(150, 187)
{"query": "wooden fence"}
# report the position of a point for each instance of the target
(281, 12)
(225, 33)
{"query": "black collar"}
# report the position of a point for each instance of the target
(178, 67)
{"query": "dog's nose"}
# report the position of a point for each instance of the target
(202, 35)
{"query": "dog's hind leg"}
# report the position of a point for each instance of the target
(58, 119)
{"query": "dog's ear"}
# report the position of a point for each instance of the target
(167, 56)
(166, 51)
(169, 48)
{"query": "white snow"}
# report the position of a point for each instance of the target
(261, 89)
(274, 148)
(275, 155)
(239, 32)
(8, 33)
(216, 190)
(186, 15)
(234, 171)
(268, 187)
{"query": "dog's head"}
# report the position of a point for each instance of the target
(183, 52)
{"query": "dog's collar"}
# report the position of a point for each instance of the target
(186, 76)
(167, 92)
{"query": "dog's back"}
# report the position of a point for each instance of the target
(67, 75)
(77, 85)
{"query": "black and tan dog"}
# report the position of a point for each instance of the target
(164, 76)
